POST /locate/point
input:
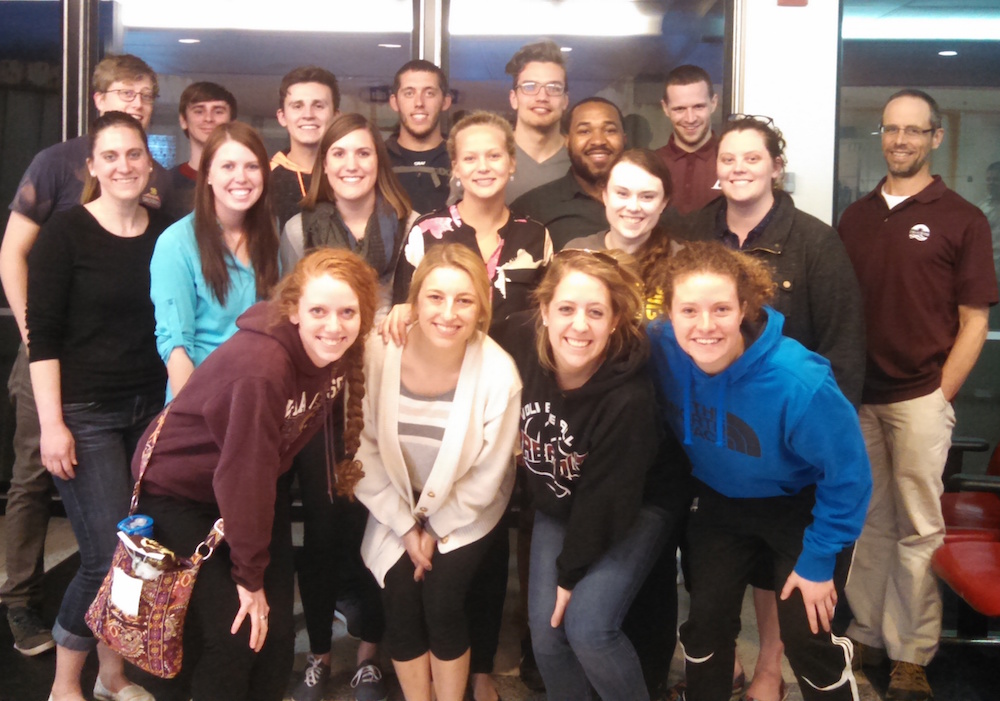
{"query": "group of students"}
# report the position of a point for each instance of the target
(405, 360)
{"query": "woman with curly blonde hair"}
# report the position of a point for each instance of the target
(224, 448)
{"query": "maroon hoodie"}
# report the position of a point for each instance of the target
(234, 429)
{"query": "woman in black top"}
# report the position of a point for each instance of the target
(96, 375)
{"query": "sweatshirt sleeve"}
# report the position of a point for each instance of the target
(622, 447)
(50, 279)
(245, 421)
(376, 490)
(835, 305)
(479, 486)
(827, 435)
(172, 288)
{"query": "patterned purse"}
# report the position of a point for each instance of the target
(140, 608)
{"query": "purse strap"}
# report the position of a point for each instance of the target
(215, 536)
(147, 453)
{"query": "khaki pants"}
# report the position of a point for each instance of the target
(892, 591)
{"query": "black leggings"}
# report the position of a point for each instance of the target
(329, 564)
(430, 615)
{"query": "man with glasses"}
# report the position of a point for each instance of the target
(539, 97)
(689, 101)
(923, 259)
(418, 152)
(53, 182)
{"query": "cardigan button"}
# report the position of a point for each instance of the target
(445, 539)
(423, 509)
(787, 284)
(430, 495)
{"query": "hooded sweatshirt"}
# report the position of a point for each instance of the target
(590, 453)
(771, 424)
(234, 429)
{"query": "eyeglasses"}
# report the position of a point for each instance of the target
(910, 132)
(530, 87)
(129, 95)
(763, 119)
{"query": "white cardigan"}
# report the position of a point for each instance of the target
(472, 478)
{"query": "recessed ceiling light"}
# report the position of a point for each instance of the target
(391, 46)
(566, 49)
(947, 53)
(189, 41)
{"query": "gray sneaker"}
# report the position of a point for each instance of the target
(367, 683)
(313, 684)
(31, 636)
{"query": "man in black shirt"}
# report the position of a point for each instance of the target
(418, 153)
(572, 206)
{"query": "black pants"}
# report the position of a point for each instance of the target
(329, 565)
(726, 538)
(430, 615)
(484, 603)
(220, 666)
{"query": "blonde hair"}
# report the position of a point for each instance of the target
(455, 255)
(481, 118)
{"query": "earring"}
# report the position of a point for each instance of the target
(545, 323)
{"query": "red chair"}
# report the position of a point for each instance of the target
(970, 565)
(970, 516)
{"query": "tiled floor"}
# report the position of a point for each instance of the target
(958, 674)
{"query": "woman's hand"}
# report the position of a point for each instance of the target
(820, 599)
(562, 602)
(393, 326)
(254, 605)
(414, 541)
(58, 450)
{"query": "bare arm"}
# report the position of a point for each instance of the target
(18, 239)
(179, 369)
(973, 323)
(58, 449)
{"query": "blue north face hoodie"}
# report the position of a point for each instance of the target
(771, 424)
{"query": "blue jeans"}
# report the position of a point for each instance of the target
(98, 497)
(589, 652)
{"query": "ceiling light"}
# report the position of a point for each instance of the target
(189, 41)
(589, 18)
(390, 46)
(373, 16)
(565, 49)
(947, 53)
(921, 28)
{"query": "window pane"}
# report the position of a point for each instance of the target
(902, 50)
(617, 49)
(248, 47)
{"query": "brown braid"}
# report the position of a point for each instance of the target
(349, 470)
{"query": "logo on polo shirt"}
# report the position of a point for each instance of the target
(920, 232)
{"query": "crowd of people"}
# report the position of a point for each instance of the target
(430, 337)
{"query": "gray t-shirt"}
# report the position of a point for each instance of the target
(529, 173)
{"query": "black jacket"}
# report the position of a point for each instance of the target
(816, 288)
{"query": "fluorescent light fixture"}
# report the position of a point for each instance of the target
(922, 28)
(390, 46)
(189, 41)
(565, 49)
(370, 17)
(589, 18)
(947, 53)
